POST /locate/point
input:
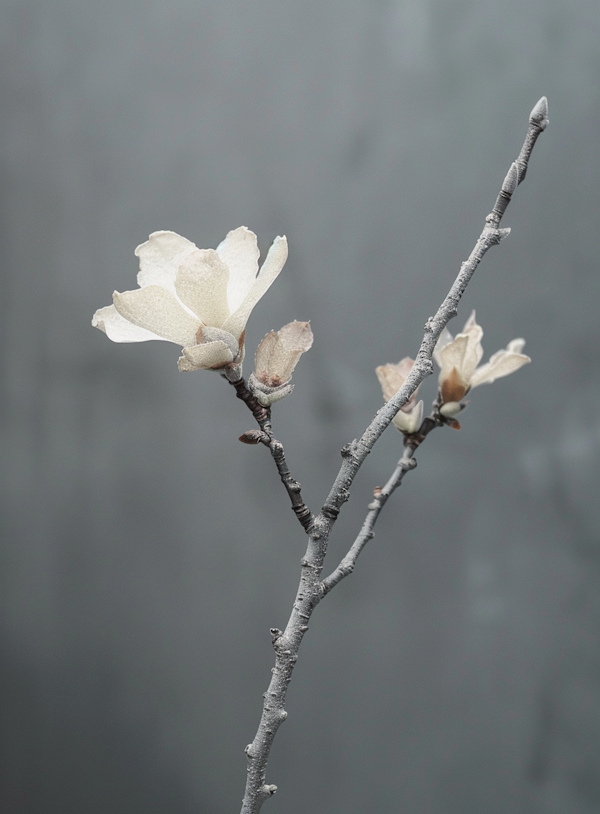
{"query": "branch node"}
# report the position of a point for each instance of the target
(276, 446)
(330, 511)
(425, 365)
(276, 636)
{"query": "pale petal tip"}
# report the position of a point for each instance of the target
(98, 322)
(155, 236)
(241, 230)
(279, 250)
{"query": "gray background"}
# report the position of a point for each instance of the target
(145, 552)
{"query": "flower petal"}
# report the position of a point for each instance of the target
(390, 379)
(501, 364)
(515, 346)
(451, 408)
(264, 353)
(239, 251)
(470, 323)
(473, 351)
(453, 387)
(206, 333)
(452, 356)
(208, 356)
(120, 329)
(201, 284)
(156, 310)
(185, 366)
(444, 339)
(160, 257)
(273, 264)
(409, 422)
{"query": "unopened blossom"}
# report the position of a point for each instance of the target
(276, 358)
(391, 378)
(200, 299)
(459, 358)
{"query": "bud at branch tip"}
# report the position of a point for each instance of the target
(539, 114)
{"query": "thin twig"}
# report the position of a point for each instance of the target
(380, 497)
(265, 436)
(310, 590)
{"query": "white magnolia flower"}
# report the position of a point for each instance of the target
(459, 358)
(200, 299)
(276, 357)
(391, 378)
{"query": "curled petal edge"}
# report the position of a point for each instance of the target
(207, 356)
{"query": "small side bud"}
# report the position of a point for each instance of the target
(511, 181)
(252, 437)
(539, 114)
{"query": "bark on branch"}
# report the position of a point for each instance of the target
(311, 590)
(265, 436)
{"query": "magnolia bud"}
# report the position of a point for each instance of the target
(276, 357)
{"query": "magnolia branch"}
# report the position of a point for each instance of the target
(380, 497)
(265, 436)
(366, 534)
(423, 367)
(311, 590)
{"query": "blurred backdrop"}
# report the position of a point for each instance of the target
(145, 552)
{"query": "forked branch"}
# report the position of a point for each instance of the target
(311, 590)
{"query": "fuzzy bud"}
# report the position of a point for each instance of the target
(276, 357)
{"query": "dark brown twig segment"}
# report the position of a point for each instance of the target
(263, 419)
(310, 591)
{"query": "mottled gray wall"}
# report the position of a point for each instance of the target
(145, 552)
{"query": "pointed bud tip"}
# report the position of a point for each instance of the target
(539, 114)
